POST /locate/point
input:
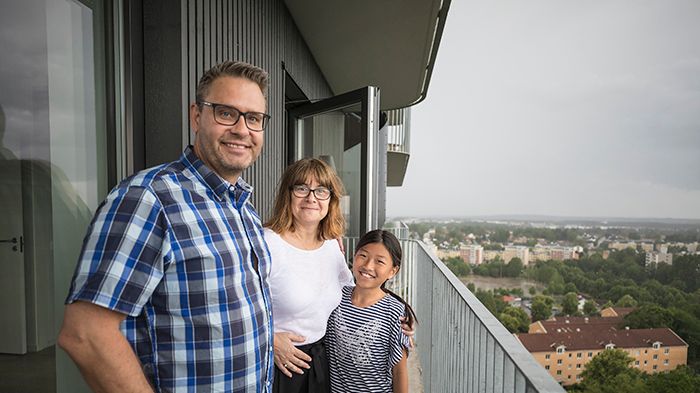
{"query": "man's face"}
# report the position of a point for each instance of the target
(228, 150)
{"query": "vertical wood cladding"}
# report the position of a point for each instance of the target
(261, 32)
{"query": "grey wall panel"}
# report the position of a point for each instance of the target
(208, 32)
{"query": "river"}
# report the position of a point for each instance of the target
(485, 283)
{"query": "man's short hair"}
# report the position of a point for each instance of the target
(236, 69)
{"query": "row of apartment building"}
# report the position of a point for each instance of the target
(564, 345)
(475, 254)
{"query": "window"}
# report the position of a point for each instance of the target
(578, 355)
(578, 365)
(569, 367)
(655, 367)
(561, 349)
(655, 356)
(558, 372)
(636, 363)
(546, 367)
(578, 377)
(645, 362)
(569, 376)
(667, 350)
(570, 355)
(665, 362)
(656, 345)
(547, 356)
(590, 354)
(609, 346)
(559, 361)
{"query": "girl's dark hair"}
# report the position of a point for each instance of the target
(392, 245)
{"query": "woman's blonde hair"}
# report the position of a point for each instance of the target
(332, 226)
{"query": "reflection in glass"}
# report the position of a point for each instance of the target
(335, 137)
(52, 174)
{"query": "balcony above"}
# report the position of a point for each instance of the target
(390, 44)
(398, 145)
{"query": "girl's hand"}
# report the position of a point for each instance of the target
(407, 330)
(289, 358)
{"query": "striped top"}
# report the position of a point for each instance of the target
(364, 344)
(175, 248)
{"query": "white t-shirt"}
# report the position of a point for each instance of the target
(305, 286)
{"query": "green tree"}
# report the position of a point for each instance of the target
(486, 298)
(471, 287)
(569, 304)
(590, 308)
(626, 301)
(648, 316)
(540, 309)
(680, 379)
(500, 236)
(570, 287)
(523, 321)
(513, 268)
(509, 322)
(609, 372)
(457, 266)
(532, 291)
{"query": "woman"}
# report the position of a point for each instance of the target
(308, 272)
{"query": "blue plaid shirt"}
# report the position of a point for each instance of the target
(175, 248)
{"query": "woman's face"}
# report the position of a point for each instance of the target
(309, 210)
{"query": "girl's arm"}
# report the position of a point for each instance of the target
(400, 374)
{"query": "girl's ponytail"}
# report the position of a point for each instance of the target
(410, 314)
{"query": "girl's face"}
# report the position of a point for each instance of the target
(372, 266)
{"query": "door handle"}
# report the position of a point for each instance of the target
(11, 241)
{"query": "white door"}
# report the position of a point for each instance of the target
(13, 324)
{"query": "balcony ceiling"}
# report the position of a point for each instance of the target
(386, 43)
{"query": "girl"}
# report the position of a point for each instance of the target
(367, 350)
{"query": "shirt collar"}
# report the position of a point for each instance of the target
(215, 182)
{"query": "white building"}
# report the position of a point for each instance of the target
(656, 257)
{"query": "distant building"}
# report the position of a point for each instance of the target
(442, 254)
(490, 255)
(574, 324)
(521, 252)
(565, 354)
(559, 253)
(615, 311)
(512, 300)
(619, 246)
(647, 247)
(472, 254)
(653, 258)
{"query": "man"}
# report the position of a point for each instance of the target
(170, 293)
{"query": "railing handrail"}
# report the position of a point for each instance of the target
(537, 378)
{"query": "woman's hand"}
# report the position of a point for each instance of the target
(289, 358)
(407, 330)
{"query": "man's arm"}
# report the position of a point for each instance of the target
(90, 335)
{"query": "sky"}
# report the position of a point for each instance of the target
(559, 107)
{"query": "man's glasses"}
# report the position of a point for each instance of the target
(229, 116)
(302, 191)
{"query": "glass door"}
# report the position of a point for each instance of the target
(53, 174)
(342, 131)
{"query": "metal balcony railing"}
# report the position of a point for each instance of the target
(399, 130)
(461, 346)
